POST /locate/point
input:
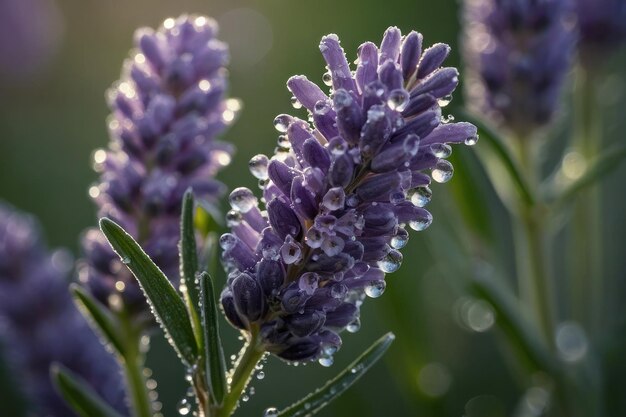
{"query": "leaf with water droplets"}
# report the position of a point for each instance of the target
(213, 351)
(99, 317)
(189, 263)
(167, 306)
(77, 393)
(317, 400)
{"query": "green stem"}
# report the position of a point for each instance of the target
(242, 374)
(532, 249)
(588, 283)
(133, 364)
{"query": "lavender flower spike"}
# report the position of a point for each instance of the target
(339, 194)
(602, 23)
(39, 323)
(167, 109)
(517, 55)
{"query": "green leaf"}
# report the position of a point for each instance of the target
(501, 151)
(189, 264)
(77, 393)
(606, 163)
(99, 317)
(214, 353)
(519, 331)
(317, 400)
(167, 306)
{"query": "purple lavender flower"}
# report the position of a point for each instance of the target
(39, 323)
(339, 193)
(517, 54)
(167, 110)
(602, 23)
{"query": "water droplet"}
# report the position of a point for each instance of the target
(421, 222)
(258, 166)
(326, 361)
(338, 291)
(571, 341)
(400, 239)
(260, 375)
(245, 398)
(270, 412)
(471, 140)
(421, 196)
(443, 171)
(355, 326)
(327, 78)
(447, 119)
(242, 199)
(444, 101)
(398, 100)
(183, 407)
(126, 260)
(390, 262)
(375, 289)
(295, 103)
(283, 143)
(233, 218)
(281, 122)
(441, 150)
(228, 241)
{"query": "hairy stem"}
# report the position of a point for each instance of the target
(248, 359)
(133, 365)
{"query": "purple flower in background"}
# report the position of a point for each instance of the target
(167, 109)
(30, 35)
(517, 55)
(602, 23)
(339, 193)
(39, 323)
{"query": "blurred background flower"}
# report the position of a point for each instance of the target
(38, 318)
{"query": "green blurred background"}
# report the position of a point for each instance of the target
(52, 117)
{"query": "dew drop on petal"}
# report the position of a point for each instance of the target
(281, 122)
(183, 407)
(355, 326)
(295, 103)
(443, 171)
(398, 100)
(242, 199)
(471, 140)
(421, 196)
(375, 289)
(326, 361)
(390, 262)
(441, 150)
(444, 101)
(400, 239)
(422, 222)
(327, 78)
(258, 166)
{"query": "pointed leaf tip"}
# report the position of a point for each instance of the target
(317, 400)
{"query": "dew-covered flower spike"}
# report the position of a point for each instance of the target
(339, 193)
(517, 55)
(38, 320)
(167, 109)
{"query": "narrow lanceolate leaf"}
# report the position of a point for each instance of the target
(501, 151)
(77, 393)
(317, 400)
(602, 166)
(522, 336)
(98, 316)
(167, 306)
(214, 353)
(189, 263)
